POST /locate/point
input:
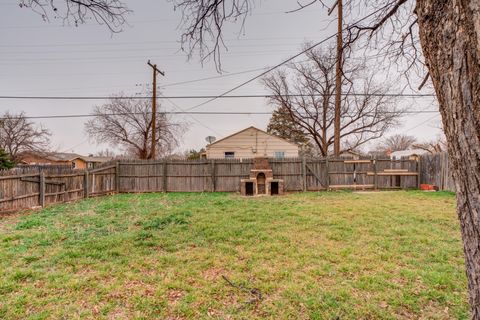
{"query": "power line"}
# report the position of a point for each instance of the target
(421, 123)
(213, 97)
(137, 42)
(283, 62)
(187, 113)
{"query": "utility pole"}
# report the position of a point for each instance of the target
(154, 107)
(338, 78)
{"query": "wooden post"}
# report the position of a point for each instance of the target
(338, 79)
(418, 171)
(212, 170)
(304, 173)
(165, 177)
(117, 176)
(85, 185)
(327, 172)
(42, 189)
(154, 108)
(375, 177)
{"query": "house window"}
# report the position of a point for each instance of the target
(229, 155)
(279, 154)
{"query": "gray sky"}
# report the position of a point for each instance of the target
(49, 58)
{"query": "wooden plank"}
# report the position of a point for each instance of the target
(103, 169)
(327, 173)
(30, 195)
(395, 170)
(29, 180)
(63, 175)
(18, 176)
(165, 177)
(212, 170)
(314, 174)
(393, 173)
(85, 185)
(357, 161)
(304, 173)
(351, 186)
(58, 183)
(41, 198)
(117, 174)
(62, 192)
(375, 175)
(418, 174)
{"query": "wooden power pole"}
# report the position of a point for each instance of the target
(338, 79)
(154, 108)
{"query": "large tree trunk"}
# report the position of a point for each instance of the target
(450, 39)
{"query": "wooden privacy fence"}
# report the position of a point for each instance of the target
(435, 170)
(33, 187)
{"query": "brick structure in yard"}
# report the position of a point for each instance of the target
(261, 181)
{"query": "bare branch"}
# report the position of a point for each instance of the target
(111, 13)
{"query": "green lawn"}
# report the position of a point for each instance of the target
(338, 255)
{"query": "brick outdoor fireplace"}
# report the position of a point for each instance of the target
(261, 181)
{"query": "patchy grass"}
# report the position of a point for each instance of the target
(338, 255)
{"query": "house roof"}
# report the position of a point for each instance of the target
(96, 159)
(251, 127)
(56, 156)
(406, 153)
(67, 156)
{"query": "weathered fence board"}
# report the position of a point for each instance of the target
(434, 169)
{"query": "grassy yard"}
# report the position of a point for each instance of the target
(337, 255)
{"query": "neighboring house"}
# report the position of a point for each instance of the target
(350, 154)
(250, 143)
(62, 158)
(92, 161)
(412, 154)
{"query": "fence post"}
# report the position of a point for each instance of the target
(212, 170)
(42, 189)
(85, 185)
(304, 173)
(327, 172)
(375, 176)
(165, 178)
(418, 171)
(117, 176)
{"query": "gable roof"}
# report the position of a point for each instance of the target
(53, 156)
(248, 128)
(406, 153)
(95, 159)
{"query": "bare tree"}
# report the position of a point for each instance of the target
(18, 135)
(439, 144)
(105, 12)
(439, 36)
(127, 123)
(398, 142)
(307, 92)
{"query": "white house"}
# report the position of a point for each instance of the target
(250, 143)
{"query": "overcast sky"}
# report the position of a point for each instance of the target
(50, 58)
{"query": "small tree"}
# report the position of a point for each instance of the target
(283, 125)
(194, 154)
(127, 123)
(5, 161)
(18, 135)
